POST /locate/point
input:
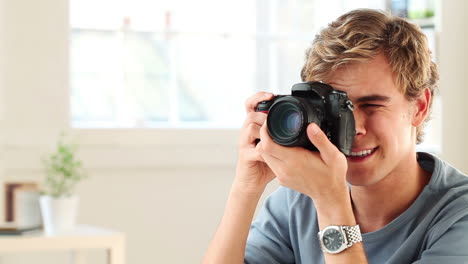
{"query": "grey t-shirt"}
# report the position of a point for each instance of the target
(433, 230)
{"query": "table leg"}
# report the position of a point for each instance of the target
(116, 253)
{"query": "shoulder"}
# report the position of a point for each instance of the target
(445, 177)
(449, 191)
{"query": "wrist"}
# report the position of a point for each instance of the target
(345, 236)
(336, 210)
(246, 191)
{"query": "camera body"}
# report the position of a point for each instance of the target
(317, 102)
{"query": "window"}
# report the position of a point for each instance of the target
(161, 63)
(182, 63)
(192, 64)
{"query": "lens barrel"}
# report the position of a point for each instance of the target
(288, 119)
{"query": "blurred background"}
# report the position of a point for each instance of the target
(153, 93)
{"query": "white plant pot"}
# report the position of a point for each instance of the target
(58, 214)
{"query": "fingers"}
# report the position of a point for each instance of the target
(252, 134)
(277, 165)
(252, 102)
(251, 130)
(328, 152)
(273, 149)
(252, 155)
(255, 118)
(269, 146)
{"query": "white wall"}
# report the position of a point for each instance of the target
(453, 45)
(166, 189)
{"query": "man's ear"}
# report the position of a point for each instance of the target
(422, 107)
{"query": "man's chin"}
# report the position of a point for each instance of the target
(360, 178)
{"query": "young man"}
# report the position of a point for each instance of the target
(392, 204)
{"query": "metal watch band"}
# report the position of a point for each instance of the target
(353, 234)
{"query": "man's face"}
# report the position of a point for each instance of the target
(385, 137)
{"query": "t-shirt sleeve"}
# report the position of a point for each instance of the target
(268, 240)
(450, 247)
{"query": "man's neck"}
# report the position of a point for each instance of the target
(377, 205)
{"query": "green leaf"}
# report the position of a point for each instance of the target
(63, 170)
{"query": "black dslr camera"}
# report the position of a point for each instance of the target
(289, 116)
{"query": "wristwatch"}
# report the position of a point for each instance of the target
(334, 239)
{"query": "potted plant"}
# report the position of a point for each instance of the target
(59, 204)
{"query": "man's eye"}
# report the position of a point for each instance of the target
(371, 105)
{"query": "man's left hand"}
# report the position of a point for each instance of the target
(320, 175)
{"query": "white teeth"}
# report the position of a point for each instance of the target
(361, 153)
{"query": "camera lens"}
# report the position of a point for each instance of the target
(288, 118)
(286, 122)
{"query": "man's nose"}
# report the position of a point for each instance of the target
(359, 121)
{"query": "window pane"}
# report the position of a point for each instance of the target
(213, 16)
(146, 76)
(215, 74)
(96, 75)
(291, 57)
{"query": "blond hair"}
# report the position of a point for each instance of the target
(362, 34)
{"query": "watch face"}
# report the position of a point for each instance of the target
(333, 240)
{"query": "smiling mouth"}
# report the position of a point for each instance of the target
(362, 153)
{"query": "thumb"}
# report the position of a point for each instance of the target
(322, 143)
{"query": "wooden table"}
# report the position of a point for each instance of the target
(77, 241)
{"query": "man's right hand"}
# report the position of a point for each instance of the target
(252, 176)
(252, 173)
